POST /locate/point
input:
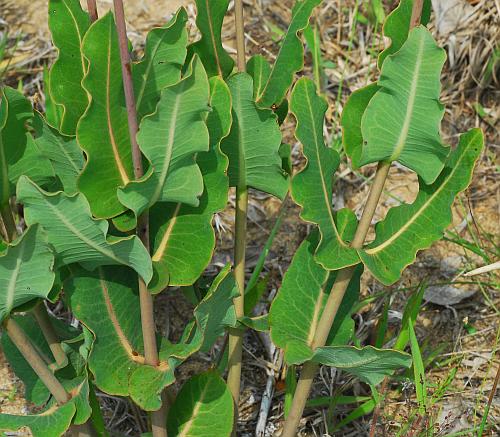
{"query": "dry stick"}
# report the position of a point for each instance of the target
(158, 418)
(236, 334)
(92, 7)
(22, 342)
(341, 282)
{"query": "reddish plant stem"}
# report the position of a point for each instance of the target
(158, 418)
(92, 8)
(376, 412)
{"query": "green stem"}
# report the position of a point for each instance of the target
(23, 344)
(341, 282)
(235, 334)
(43, 319)
(333, 303)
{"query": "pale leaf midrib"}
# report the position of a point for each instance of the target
(149, 65)
(158, 255)
(82, 60)
(189, 424)
(316, 315)
(412, 96)
(79, 235)
(170, 143)
(212, 37)
(277, 57)
(67, 155)
(11, 288)
(121, 169)
(122, 338)
(317, 145)
(421, 210)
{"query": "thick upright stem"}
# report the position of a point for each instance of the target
(236, 335)
(158, 418)
(92, 8)
(240, 34)
(22, 342)
(332, 304)
(341, 282)
(43, 319)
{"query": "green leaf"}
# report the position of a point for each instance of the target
(290, 58)
(352, 115)
(409, 228)
(410, 313)
(170, 138)
(106, 301)
(26, 271)
(369, 364)
(209, 18)
(182, 236)
(364, 409)
(204, 406)
(401, 122)
(257, 323)
(397, 26)
(15, 111)
(52, 111)
(260, 70)
(75, 235)
(212, 315)
(313, 39)
(33, 164)
(68, 24)
(418, 370)
(53, 421)
(253, 143)
(103, 130)
(62, 151)
(297, 309)
(312, 186)
(161, 65)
